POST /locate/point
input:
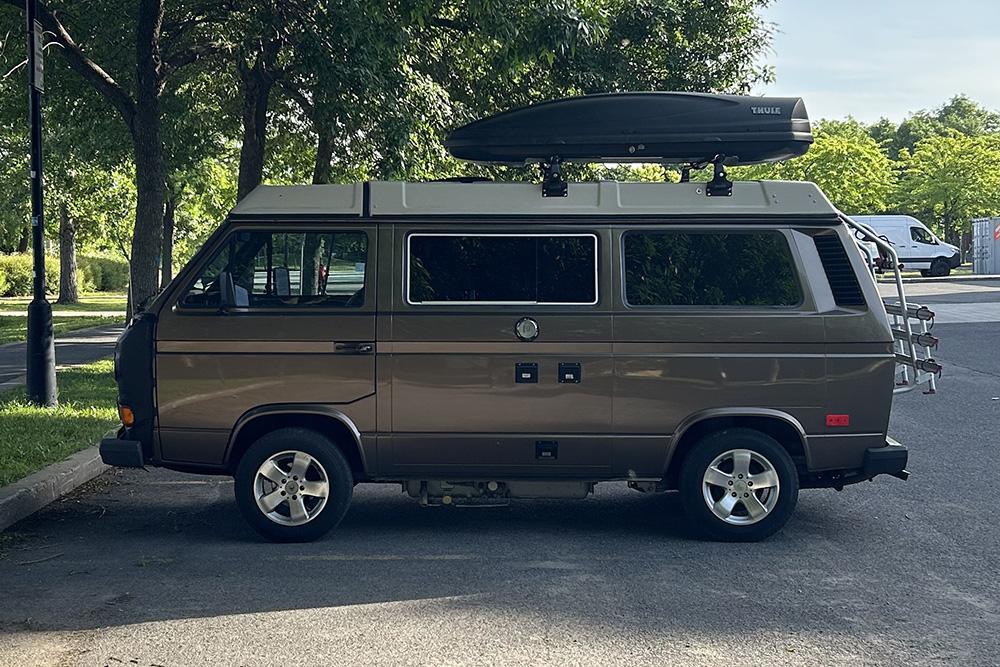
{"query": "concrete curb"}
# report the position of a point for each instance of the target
(27, 496)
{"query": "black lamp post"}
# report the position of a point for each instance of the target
(41, 361)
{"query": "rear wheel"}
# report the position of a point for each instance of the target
(293, 485)
(940, 267)
(738, 485)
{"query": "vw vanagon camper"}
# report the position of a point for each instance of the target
(477, 341)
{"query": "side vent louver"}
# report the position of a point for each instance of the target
(844, 284)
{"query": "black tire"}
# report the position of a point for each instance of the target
(940, 267)
(340, 484)
(926, 273)
(696, 463)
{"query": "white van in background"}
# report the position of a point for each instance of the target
(917, 246)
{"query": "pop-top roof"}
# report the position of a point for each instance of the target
(487, 199)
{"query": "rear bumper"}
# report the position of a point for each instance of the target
(888, 460)
(121, 453)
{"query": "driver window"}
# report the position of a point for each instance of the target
(278, 269)
(921, 235)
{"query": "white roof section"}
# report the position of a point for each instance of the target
(605, 198)
(303, 199)
(596, 198)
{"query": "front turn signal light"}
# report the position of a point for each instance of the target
(126, 415)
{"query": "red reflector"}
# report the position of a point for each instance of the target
(838, 420)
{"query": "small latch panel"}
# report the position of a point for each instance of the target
(526, 373)
(547, 450)
(569, 373)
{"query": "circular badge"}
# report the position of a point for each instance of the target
(526, 329)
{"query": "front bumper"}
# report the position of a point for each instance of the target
(955, 260)
(121, 453)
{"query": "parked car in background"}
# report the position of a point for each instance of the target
(917, 246)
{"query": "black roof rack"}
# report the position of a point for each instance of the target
(695, 129)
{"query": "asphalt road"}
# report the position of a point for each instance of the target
(75, 347)
(158, 568)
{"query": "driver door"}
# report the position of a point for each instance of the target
(300, 329)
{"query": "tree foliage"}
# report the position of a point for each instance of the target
(952, 179)
(845, 162)
(159, 114)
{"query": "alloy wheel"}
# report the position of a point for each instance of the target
(291, 488)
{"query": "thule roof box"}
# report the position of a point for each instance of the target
(671, 128)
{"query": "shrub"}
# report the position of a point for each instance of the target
(101, 274)
(17, 274)
(94, 273)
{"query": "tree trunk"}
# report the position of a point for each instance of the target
(167, 261)
(257, 81)
(149, 161)
(24, 240)
(324, 153)
(68, 287)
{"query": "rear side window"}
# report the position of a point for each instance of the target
(277, 269)
(691, 268)
(502, 268)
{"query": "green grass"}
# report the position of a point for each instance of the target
(15, 327)
(32, 437)
(95, 301)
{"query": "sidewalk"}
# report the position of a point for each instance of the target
(76, 347)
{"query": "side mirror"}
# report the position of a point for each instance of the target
(227, 291)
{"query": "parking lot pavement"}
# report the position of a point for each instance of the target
(953, 302)
(157, 568)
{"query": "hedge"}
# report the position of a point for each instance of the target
(101, 274)
(95, 273)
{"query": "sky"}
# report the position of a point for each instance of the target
(884, 58)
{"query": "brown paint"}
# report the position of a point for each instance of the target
(437, 399)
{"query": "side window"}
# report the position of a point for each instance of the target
(279, 269)
(502, 268)
(690, 268)
(921, 235)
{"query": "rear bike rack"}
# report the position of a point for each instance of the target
(913, 343)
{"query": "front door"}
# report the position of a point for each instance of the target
(500, 352)
(302, 331)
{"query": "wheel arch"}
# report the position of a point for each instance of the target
(781, 426)
(327, 420)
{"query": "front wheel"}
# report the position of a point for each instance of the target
(738, 485)
(940, 267)
(293, 485)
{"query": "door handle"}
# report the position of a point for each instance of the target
(354, 347)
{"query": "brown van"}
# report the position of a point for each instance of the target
(479, 341)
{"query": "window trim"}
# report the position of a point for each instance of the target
(708, 307)
(180, 308)
(596, 262)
